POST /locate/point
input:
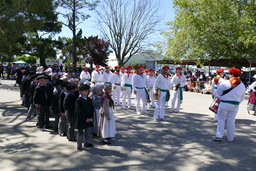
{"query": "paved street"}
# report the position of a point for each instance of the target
(181, 143)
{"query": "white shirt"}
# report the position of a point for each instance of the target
(150, 80)
(215, 86)
(237, 94)
(162, 83)
(126, 79)
(106, 77)
(139, 81)
(178, 80)
(85, 74)
(96, 76)
(116, 78)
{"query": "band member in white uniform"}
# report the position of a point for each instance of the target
(229, 104)
(106, 76)
(126, 87)
(96, 75)
(177, 85)
(139, 84)
(150, 81)
(116, 82)
(163, 83)
(85, 75)
(215, 83)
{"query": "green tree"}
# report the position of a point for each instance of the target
(74, 17)
(27, 59)
(212, 30)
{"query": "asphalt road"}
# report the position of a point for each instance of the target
(183, 142)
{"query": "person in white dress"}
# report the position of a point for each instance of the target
(177, 85)
(85, 75)
(116, 82)
(150, 81)
(215, 83)
(229, 104)
(107, 123)
(106, 76)
(96, 75)
(126, 87)
(139, 85)
(162, 83)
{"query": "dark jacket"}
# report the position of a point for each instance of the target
(31, 91)
(55, 101)
(83, 110)
(69, 105)
(42, 95)
(62, 96)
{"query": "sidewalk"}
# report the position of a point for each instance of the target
(182, 142)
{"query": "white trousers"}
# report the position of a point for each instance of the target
(226, 111)
(116, 94)
(126, 94)
(175, 96)
(160, 106)
(141, 97)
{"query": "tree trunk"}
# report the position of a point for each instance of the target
(42, 61)
(74, 34)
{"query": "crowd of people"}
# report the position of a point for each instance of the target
(86, 101)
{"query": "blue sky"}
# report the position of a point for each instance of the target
(89, 29)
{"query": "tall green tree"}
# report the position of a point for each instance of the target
(212, 29)
(74, 17)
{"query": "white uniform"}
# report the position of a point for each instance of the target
(126, 83)
(214, 88)
(106, 77)
(177, 82)
(85, 76)
(96, 77)
(164, 84)
(139, 84)
(150, 83)
(116, 81)
(228, 108)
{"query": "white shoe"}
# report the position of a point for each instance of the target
(138, 113)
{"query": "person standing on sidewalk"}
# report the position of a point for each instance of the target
(42, 101)
(163, 83)
(150, 81)
(116, 82)
(231, 93)
(69, 108)
(84, 117)
(177, 84)
(85, 75)
(126, 86)
(139, 84)
(215, 83)
(96, 75)
(106, 75)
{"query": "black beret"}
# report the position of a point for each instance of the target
(42, 76)
(71, 86)
(57, 82)
(83, 87)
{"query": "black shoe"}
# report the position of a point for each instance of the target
(80, 149)
(217, 139)
(28, 118)
(105, 141)
(48, 127)
(41, 129)
(63, 134)
(93, 135)
(88, 145)
(109, 138)
(73, 139)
